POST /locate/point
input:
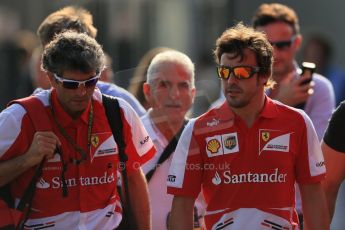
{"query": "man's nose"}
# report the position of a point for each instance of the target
(232, 78)
(174, 92)
(81, 90)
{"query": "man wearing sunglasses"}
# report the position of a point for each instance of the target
(80, 20)
(280, 23)
(246, 154)
(317, 98)
(77, 187)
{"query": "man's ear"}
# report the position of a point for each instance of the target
(298, 42)
(193, 94)
(147, 91)
(51, 79)
(263, 79)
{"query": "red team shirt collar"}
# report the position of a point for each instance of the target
(63, 118)
(269, 110)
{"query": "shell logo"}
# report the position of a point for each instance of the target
(213, 146)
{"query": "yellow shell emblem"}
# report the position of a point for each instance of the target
(265, 136)
(213, 145)
(95, 141)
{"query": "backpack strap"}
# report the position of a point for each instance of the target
(41, 122)
(169, 149)
(113, 112)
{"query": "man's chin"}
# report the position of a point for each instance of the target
(236, 103)
(174, 116)
(79, 107)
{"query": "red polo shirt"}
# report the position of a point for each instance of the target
(92, 183)
(247, 175)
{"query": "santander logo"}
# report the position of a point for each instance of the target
(56, 182)
(216, 179)
(227, 177)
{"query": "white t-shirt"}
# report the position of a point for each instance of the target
(160, 201)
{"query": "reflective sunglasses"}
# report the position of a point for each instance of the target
(73, 84)
(284, 45)
(239, 72)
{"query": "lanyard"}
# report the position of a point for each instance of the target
(70, 139)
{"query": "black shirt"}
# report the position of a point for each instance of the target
(335, 132)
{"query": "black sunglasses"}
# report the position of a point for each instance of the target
(73, 84)
(283, 45)
(239, 72)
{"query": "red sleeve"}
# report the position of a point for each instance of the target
(310, 167)
(139, 146)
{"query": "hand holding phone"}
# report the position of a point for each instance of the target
(308, 68)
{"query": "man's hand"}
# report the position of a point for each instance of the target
(43, 146)
(292, 91)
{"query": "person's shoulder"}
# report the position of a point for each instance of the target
(147, 123)
(112, 89)
(145, 119)
(106, 87)
(321, 80)
(11, 118)
(98, 95)
(336, 125)
(286, 112)
(323, 88)
(117, 91)
(338, 117)
(13, 112)
(42, 95)
(214, 119)
(340, 110)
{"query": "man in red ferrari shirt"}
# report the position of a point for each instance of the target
(246, 155)
(77, 188)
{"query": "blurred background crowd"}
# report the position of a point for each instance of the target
(128, 29)
(132, 31)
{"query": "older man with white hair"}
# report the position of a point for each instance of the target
(170, 90)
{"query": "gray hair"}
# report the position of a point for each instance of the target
(170, 57)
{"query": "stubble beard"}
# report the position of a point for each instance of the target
(237, 103)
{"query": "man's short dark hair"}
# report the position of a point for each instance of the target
(238, 38)
(72, 51)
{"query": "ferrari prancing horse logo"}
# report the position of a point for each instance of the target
(95, 140)
(265, 136)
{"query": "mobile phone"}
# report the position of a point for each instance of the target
(308, 66)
